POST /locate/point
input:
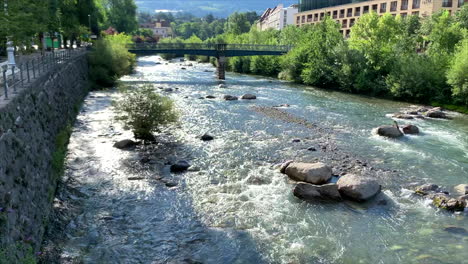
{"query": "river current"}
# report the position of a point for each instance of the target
(234, 206)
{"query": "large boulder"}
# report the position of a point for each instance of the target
(315, 173)
(443, 201)
(230, 98)
(358, 188)
(210, 97)
(207, 137)
(307, 191)
(427, 188)
(403, 116)
(249, 97)
(285, 165)
(461, 189)
(180, 166)
(125, 144)
(435, 113)
(410, 129)
(389, 131)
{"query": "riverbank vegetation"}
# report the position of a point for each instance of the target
(415, 59)
(144, 111)
(110, 59)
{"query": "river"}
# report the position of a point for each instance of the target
(233, 206)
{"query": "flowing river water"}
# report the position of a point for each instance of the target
(234, 206)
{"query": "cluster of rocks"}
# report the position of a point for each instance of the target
(244, 97)
(395, 131)
(421, 112)
(442, 198)
(314, 183)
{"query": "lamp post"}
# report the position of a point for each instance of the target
(89, 20)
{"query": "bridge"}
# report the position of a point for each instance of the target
(219, 51)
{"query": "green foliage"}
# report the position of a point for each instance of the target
(144, 111)
(457, 74)
(122, 15)
(20, 252)
(110, 60)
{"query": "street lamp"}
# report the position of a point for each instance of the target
(89, 20)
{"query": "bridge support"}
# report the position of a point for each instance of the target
(221, 69)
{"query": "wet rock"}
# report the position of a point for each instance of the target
(389, 131)
(282, 105)
(307, 191)
(171, 184)
(412, 112)
(443, 201)
(358, 188)
(135, 178)
(427, 188)
(461, 189)
(210, 97)
(434, 113)
(296, 140)
(207, 137)
(189, 64)
(285, 165)
(168, 90)
(230, 98)
(249, 97)
(315, 173)
(19, 122)
(410, 129)
(125, 144)
(312, 149)
(456, 230)
(183, 68)
(201, 98)
(222, 85)
(180, 166)
(403, 116)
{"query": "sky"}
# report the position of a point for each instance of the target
(219, 8)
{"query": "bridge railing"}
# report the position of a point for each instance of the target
(206, 46)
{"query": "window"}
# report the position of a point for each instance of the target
(393, 6)
(383, 7)
(303, 19)
(446, 3)
(349, 13)
(460, 3)
(335, 14)
(342, 11)
(345, 23)
(357, 11)
(309, 18)
(416, 13)
(404, 5)
(351, 22)
(347, 33)
(328, 14)
(366, 10)
(416, 4)
(316, 17)
(322, 15)
(374, 8)
(403, 14)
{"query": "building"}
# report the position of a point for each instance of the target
(277, 17)
(347, 12)
(161, 29)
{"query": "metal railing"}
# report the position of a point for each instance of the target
(204, 46)
(15, 77)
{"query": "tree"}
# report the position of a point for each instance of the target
(457, 74)
(237, 23)
(462, 16)
(122, 15)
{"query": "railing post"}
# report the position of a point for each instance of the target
(13, 78)
(21, 69)
(27, 71)
(33, 68)
(5, 81)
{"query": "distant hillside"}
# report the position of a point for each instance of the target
(219, 8)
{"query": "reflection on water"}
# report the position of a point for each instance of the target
(237, 208)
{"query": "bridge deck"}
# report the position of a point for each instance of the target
(214, 50)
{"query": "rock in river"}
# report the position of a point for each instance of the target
(249, 97)
(389, 131)
(402, 116)
(180, 166)
(210, 97)
(410, 129)
(358, 188)
(230, 98)
(315, 173)
(443, 201)
(125, 144)
(434, 113)
(285, 165)
(461, 189)
(307, 191)
(207, 137)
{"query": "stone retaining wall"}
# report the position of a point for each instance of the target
(29, 124)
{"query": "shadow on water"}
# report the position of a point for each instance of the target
(112, 207)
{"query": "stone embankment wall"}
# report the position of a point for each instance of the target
(30, 123)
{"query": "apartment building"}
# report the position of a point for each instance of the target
(277, 17)
(347, 12)
(161, 28)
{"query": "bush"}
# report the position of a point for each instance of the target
(110, 60)
(144, 111)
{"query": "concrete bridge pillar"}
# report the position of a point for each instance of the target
(221, 69)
